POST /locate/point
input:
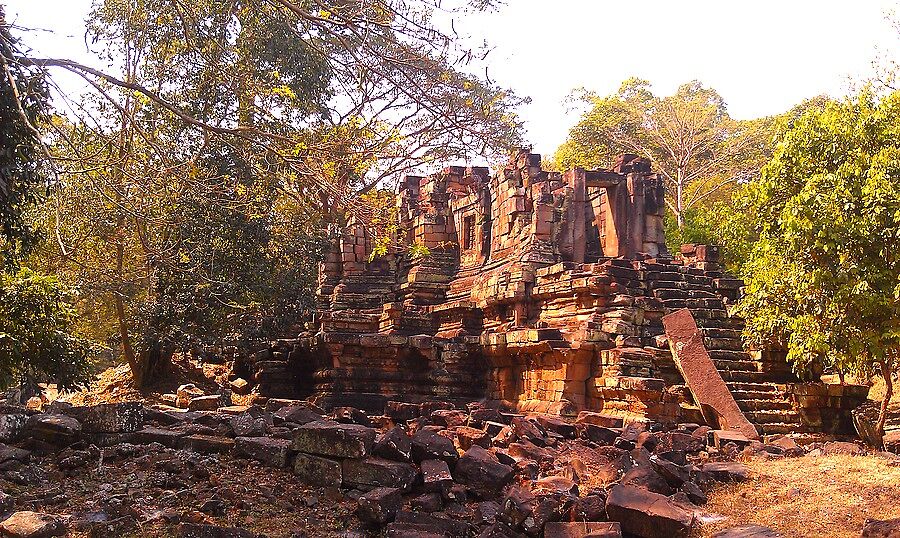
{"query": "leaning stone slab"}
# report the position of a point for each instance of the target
(647, 514)
(32, 525)
(371, 473)
(272, 452)
(703, 379)
(318, 471)
(328, 438)
(582, 529)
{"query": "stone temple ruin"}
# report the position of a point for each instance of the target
(542, 290)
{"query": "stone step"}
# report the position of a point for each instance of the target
(787, 416)
(728, 355)
(755, 387)
(743, 377)
(764, 405)
(757, 395)
(777, 427)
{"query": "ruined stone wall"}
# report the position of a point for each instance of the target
(542, 289)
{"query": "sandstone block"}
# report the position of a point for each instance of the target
(368, 473)
(318, 471)
(122, 417)
(32, 525)
(481, 472)
(379, 505)
(582, 529)
(272, 452)
(327, 438)
(647, 514)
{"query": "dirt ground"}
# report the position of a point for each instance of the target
(824, 496)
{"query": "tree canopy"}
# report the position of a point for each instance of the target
(689, 136)
(822, 272)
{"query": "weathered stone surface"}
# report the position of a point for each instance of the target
(436, 475)
(881, 529)
(727, 471)
(185, 393)
(167, 438)
(701, 375)
(246, 425)
(582, 529)
(206, 444)
(646, 514)
(891, 441)
(318, 471)
(12, 424)
(748, 531)
(32, 525)
(205, 403)
(481, 472)
(429, 445)
(379, 505)
(55, 429)
(300, 413)
(367, 473)
(272, 452)
(843, 448)
(119, 417)
(333, 439)
(466, 437)
(393, 444)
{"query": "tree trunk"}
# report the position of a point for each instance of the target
(886, 373)
(137, 368)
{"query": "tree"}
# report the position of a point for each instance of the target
(216, 121)
(822, 276)
(689, 137)
(37, 320)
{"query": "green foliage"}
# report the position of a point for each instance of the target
(23, 169)
(36, 332)
(700, 151)
(822, 270)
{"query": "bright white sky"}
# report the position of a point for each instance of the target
(763, 56)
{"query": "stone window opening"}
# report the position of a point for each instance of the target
(468, 232)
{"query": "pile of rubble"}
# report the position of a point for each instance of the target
(425, 469)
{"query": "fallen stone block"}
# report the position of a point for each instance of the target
(557, 425)
(32, 525)
(393, 444)
(380, 505)
(246, 425)
(54, 429)
(598, 434)
(481, 472)
(318, 471)
(466, 437)
(748, 531)
(429, 445)
(726, 471)
(301, 413)
(122, 417)
(881, 529)
(167, 438)
(206, 444)
(205, 403)
(582, 529)
(445, 523)
(12, 424)
(436, 476)
(402, 411)
(646, 514)
(271, 452)
(185, 393)
(891, 441)
(599, 419)
(412, 530)
(720, 438)
(333, 439)
(368, 473)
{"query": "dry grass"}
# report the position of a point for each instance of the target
(828, 496)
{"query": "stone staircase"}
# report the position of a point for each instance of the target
(757, 386)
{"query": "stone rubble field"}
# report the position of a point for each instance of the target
(288, 468)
